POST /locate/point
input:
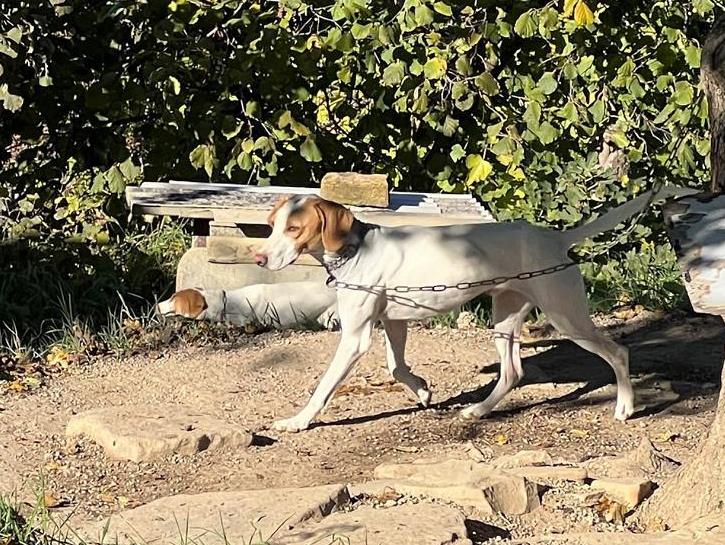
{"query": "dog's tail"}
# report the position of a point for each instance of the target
(611, 219)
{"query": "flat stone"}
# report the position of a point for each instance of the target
(463, 482)
(643, 462)
(523, 458)
(419, 524)
(540, 474)
(239, 515)
(291, 516)
(628, 492)
(355, 189)
(140, 432)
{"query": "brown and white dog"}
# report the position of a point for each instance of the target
(279, 306)
(378, 259)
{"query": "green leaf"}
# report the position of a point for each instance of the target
(394, 73)
(478, 169)
(310, 151)
(435, 68)
(10, 101)
(251, 108)
(230, 127)
(683, 94)
(692, 56)
(619, 137)
(546, 133)
(247, 145)
(465, 104)
(463, 66)
(116, 180)
(129, 170)
(203, 155)
(449, 126)
(570, 71)
(703, 7)
(443, 9)
(423, 15)
(526, 24)
(359, 31)
(532, 115)
(15, 34)
(45, 81)
(457, 153)
(487, 83)
(569, 112)
(547, 83)
(598, 111)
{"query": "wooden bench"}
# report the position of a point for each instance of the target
(229, 220)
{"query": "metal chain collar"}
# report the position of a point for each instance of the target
(335, 283)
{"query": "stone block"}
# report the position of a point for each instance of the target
(140, 432)
(195, 271)
(355, 189)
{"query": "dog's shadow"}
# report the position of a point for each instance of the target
(685, 352)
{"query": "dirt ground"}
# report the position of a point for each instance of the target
(565, 406)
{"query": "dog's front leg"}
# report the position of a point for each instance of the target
(354, 343)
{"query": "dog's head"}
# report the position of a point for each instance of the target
(189, 303)
(303, 224)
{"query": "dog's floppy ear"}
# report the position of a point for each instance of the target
(336, 223)
(189, 303)
(279, 204)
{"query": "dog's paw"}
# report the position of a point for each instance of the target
(623, 411)
(292, 425)
(424, 396)
(474, 413)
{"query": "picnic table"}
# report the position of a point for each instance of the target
(229, 220)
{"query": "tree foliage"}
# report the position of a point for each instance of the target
(543, 109)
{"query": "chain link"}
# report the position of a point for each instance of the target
(335, 283)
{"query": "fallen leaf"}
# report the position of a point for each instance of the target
(610, 510)
(501, 439)
(51, 500)
(665, 436)
(578, 433)
(52, 466)
(388, 494)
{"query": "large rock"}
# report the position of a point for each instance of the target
(352, 188)
(139, 432)
(461, 481)
(628, 492)
(294, 516)
(643, 462)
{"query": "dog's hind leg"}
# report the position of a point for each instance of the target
(509, 311)
(565, 304)
(396, 334)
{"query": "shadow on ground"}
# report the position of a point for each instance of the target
(686, 351)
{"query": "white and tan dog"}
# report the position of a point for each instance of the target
(378, 259)
(279, 306)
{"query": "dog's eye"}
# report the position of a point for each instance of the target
(292, 229)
